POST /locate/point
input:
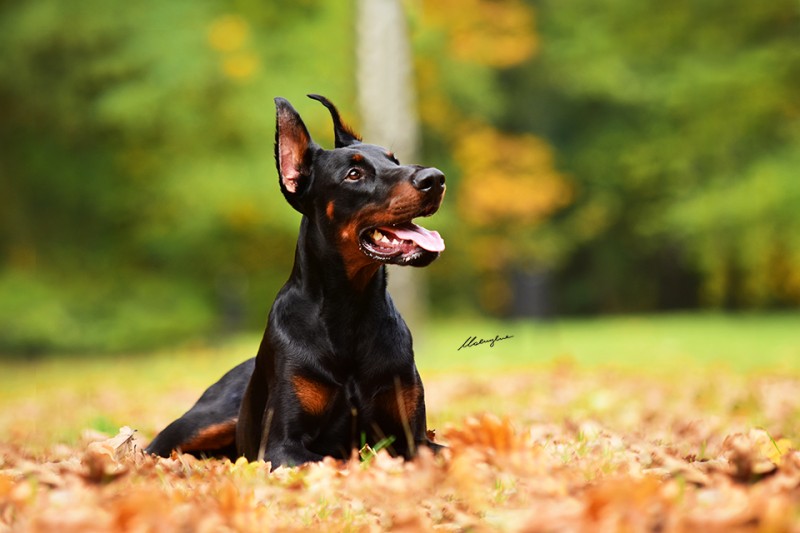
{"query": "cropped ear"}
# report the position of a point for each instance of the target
(344, 136)
(292, 148)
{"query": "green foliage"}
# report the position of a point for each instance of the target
(43, 315)
(138, 201)
(679, 124)
(138, 194)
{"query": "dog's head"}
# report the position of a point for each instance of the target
(358, 193)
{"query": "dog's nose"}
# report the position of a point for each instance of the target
(428, 179)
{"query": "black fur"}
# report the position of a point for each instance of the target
(335, 369)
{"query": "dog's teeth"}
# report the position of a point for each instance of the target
(377, 235)
(384, 239)
(395, 241)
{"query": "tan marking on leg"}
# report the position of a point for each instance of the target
(312, 395)
(402, 406)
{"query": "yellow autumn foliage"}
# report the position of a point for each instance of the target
(488, 32)
(436, 111)
(240, 66)
(507, 178)
(770, 448)
(228, 33)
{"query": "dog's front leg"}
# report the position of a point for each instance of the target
(271, 427)
(283, 441)
(290, 453)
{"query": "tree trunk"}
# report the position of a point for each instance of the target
(389, 115)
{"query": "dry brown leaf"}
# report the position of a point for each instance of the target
(665, 465)
(487, 431)
(746, 459)
(568, 463)
(104, 459)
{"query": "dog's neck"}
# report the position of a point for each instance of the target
(321, 270)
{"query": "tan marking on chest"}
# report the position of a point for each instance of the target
(358, 267)
(312, 395)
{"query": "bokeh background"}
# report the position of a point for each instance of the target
(614, 157)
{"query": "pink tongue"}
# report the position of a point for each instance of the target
(427, 239)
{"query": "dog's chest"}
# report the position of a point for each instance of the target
(361, 413)
(356, 397)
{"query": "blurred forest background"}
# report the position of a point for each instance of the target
(606, 157)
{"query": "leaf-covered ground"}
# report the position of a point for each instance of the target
(559, 448)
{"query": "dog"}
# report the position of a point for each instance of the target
(335, 370)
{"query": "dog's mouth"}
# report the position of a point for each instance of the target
(401, 244)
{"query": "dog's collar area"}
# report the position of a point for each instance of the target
(404, 243)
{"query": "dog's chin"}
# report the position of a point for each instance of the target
(418, 257)
(421, 259)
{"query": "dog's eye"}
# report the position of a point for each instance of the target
(355, 174)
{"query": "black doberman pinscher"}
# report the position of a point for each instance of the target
(335, 369)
